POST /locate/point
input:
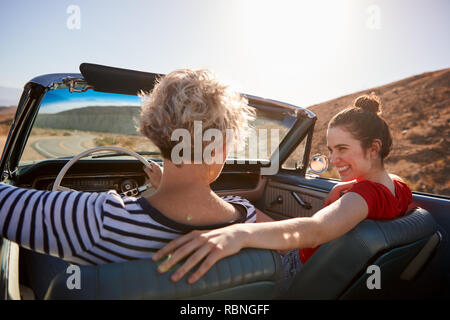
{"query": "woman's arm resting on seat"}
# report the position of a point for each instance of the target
(327, 224)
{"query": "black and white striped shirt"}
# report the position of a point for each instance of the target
(92, 228)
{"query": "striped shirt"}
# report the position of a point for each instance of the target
(92, 228)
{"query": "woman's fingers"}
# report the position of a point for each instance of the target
(147, 171)
(149, 175)
(178, 255)
(211, 259)
(210, 245)
(154, 174)
(191, 262)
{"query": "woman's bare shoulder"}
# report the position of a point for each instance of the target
(395, 177)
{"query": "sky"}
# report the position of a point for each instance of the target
(300, 52)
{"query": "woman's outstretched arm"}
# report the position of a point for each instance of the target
(55, 223)
(327, 224)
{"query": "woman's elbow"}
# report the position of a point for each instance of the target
(314, 235)
(318, 239)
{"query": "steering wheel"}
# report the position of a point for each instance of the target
(57, 185)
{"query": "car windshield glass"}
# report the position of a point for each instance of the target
(69, 123)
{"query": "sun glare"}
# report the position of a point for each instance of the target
(285, 39)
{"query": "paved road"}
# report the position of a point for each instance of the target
(62, 146)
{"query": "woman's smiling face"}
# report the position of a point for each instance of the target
(347, 155)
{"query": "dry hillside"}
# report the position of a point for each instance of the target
(6, 117)
(417, 110)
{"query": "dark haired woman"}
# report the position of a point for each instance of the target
(359, 140)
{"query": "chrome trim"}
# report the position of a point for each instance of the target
(232, 190)
(5, 248)
(439, 234)
(47, 80)
(75, 84)
(81, 176)
(311, 188)
(300, 201)
(136, 191)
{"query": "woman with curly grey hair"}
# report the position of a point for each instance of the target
(192, 106)
(186, 99)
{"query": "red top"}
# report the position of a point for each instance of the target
(381, 202)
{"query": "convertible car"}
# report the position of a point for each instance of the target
(77, 131)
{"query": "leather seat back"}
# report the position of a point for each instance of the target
(339, 268)
(250, 274)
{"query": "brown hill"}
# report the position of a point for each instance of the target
(6, 118)
(417, 110)
(97, 119)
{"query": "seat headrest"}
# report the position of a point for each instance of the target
(382, 234)
(251, 273)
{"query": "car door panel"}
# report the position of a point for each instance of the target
(253, 194)
(282, 200)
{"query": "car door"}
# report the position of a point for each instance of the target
(296, 190)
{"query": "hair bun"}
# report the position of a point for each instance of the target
(369, 103)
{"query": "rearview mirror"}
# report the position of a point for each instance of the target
(318, 164)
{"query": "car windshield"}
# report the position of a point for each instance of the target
(71, 122)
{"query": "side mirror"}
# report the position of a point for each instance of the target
(318, 164)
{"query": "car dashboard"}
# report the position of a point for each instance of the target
(85, 175)
(121, 175)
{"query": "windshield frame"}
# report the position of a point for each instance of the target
(38, 87)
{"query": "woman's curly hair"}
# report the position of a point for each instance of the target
(184, 96)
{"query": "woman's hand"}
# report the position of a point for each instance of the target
(154, 174)
(338, 191)
(211, 245)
